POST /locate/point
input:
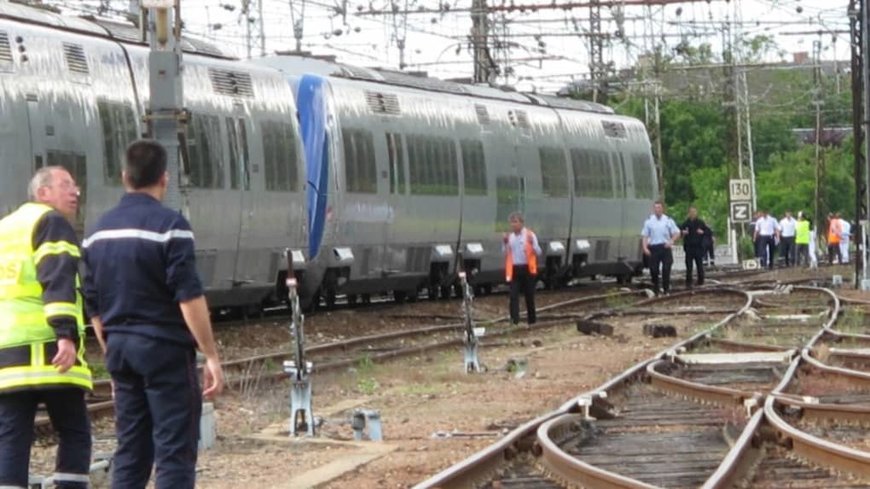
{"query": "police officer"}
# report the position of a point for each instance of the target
(42, 332)
(694, 232)
(521, 251)
(659, 233)
(147, 307)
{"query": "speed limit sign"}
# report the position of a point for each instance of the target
(740, 189)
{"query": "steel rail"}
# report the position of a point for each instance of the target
(473, 469)
(814, 448)
(731, 469)
(571, 469)
(710, 393)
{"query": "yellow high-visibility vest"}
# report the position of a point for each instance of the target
(26, 339)
(802, 232)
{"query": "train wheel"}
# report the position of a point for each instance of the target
(330, 298)
(352, 299)
(399, 296)
(432, 292)
(487, 289)
(366, 298)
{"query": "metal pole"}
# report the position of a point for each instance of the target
(750, 153)
(165, 118)
(480, 41)
(865, 74)
(262, 29)
(857, 64)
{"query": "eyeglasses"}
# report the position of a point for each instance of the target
(68, 186)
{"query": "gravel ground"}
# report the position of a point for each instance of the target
(417, 397)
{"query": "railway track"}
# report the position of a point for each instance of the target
(256, 371)
(763, 398)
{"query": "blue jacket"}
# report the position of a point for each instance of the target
(140, 264)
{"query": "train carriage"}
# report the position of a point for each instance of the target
(378, 181)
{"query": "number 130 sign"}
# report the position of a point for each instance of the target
(740, 190)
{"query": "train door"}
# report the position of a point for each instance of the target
(618, 162)
(240, 183)
(394, 259)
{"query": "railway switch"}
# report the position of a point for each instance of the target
(299, 369)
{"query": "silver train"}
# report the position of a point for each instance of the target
(379, 181)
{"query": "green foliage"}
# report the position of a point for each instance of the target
(696, 131)
(745, 248)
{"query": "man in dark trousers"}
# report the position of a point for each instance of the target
(659, 232)
(694, 233)
(521, 251)
(148, 310)
(42, 356)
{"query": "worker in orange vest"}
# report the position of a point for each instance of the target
(834, 231)
(521, 251)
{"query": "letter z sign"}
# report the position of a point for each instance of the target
(740, 212)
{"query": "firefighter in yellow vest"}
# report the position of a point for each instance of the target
(42, 332)
(521, 251)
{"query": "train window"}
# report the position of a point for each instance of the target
(279, 156)
(246, 161)
(397, 163)
(509, 198)
(238, 141)
(205, 162)
(593, 175)
(554, 172)
(360, 166)
(433, 166)
(644, 179)
(473, 167)
(119, 130)
(77, 165)
(619, 170)
(233, 140)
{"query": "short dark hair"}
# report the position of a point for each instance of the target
(146, 163)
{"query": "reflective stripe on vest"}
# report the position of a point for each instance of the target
(23, 315)
(531, 257)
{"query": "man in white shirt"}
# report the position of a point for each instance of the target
(659, 233)
(787, 226)
(766, 232)
(845, 237)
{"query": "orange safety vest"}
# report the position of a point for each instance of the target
(834, 231)
(531, 257)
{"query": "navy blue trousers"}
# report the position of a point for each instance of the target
(69, 418)
(158, 403)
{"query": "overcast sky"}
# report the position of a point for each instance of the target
(546, 52)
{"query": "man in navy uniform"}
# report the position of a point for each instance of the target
(659, 232)
(694, 232)
(148, 309)
(42, 332)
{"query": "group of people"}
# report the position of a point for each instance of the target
(793, 238)
(660, 233)
(146, 304)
